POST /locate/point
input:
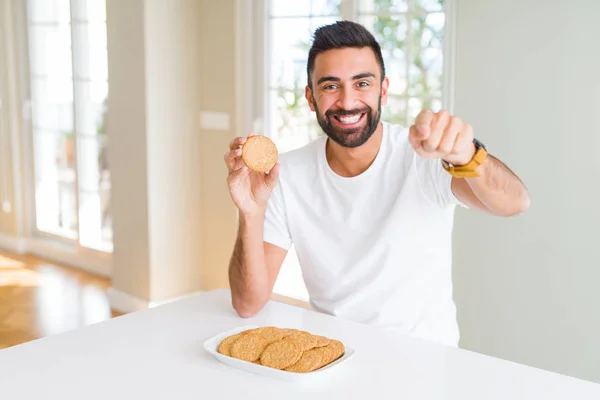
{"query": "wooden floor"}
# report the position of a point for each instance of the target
(40, 298)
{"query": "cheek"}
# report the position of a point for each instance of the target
(372, 100)
(324, 102)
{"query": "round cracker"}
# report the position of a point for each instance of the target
(281, 354)
(259, 330)
(338, 349)
(328, 353)
(322, 341)
(225, 345)
(303, 339)
(310, 361)
(289, 331)
(259, 153)
(271, 333)
(248, 347)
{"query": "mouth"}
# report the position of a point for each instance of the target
(349, 121)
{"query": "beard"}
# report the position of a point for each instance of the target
(350, 137)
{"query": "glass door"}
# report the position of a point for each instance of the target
(69, 88)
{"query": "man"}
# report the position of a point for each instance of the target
(369, 207)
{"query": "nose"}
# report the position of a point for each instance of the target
(347, 99)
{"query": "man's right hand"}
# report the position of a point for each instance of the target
(249, 190)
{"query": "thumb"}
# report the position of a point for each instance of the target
(272, 176)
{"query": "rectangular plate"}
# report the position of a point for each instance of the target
(212, 344)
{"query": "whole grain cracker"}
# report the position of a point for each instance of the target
(305, 340)
(310, 360)
(281, 354)
(322, 341)
(338, 349)
(225, 345)
(259, 153)
(271, 334)
(328, 353)
(248, 347)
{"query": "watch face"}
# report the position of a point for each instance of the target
(478, 144)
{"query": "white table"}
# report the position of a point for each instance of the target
(158, 354)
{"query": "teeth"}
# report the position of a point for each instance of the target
(349, 119)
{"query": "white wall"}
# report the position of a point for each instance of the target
(174, 223)
(173, 70)
(154, 69)
(527, 79)
(126, 127)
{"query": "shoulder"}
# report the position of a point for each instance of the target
(397, 143)
(303, 158)
(397, 134)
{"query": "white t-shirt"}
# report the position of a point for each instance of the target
(375, 248)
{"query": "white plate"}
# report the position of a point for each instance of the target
(212, 344)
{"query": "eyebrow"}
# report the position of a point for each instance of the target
(336, 79)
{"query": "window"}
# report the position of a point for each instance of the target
(68, 88)
(412, 36)
(290, 28)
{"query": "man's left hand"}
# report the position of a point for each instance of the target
(444, 136)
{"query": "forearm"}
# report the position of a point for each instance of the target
(499, 188)
(248, 276)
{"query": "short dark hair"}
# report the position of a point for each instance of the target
(339, 35)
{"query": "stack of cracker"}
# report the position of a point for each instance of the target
(286, 349)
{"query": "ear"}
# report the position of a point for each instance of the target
(309, 97)
(384, 90)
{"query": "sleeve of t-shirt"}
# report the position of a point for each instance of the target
(437, 182)
(276, 224)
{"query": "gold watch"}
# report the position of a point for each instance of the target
(468, 170)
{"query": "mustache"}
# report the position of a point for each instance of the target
(341, 112)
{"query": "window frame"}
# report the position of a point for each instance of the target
(17, 106)
(41, 238)
(254, 87)
(255, 21)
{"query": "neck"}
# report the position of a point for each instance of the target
(352, 162)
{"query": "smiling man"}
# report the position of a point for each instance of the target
(369, 206)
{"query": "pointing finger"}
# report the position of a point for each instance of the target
(416, 143)
(423, 124)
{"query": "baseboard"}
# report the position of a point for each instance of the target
(92, 261)
(155, 303)
(126, 303)
(95, 262)
(13, 244)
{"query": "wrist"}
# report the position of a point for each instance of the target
(457, 168)
(463, 159)
(252, 217)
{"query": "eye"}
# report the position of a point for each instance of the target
(363, 84)
(330, 87)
